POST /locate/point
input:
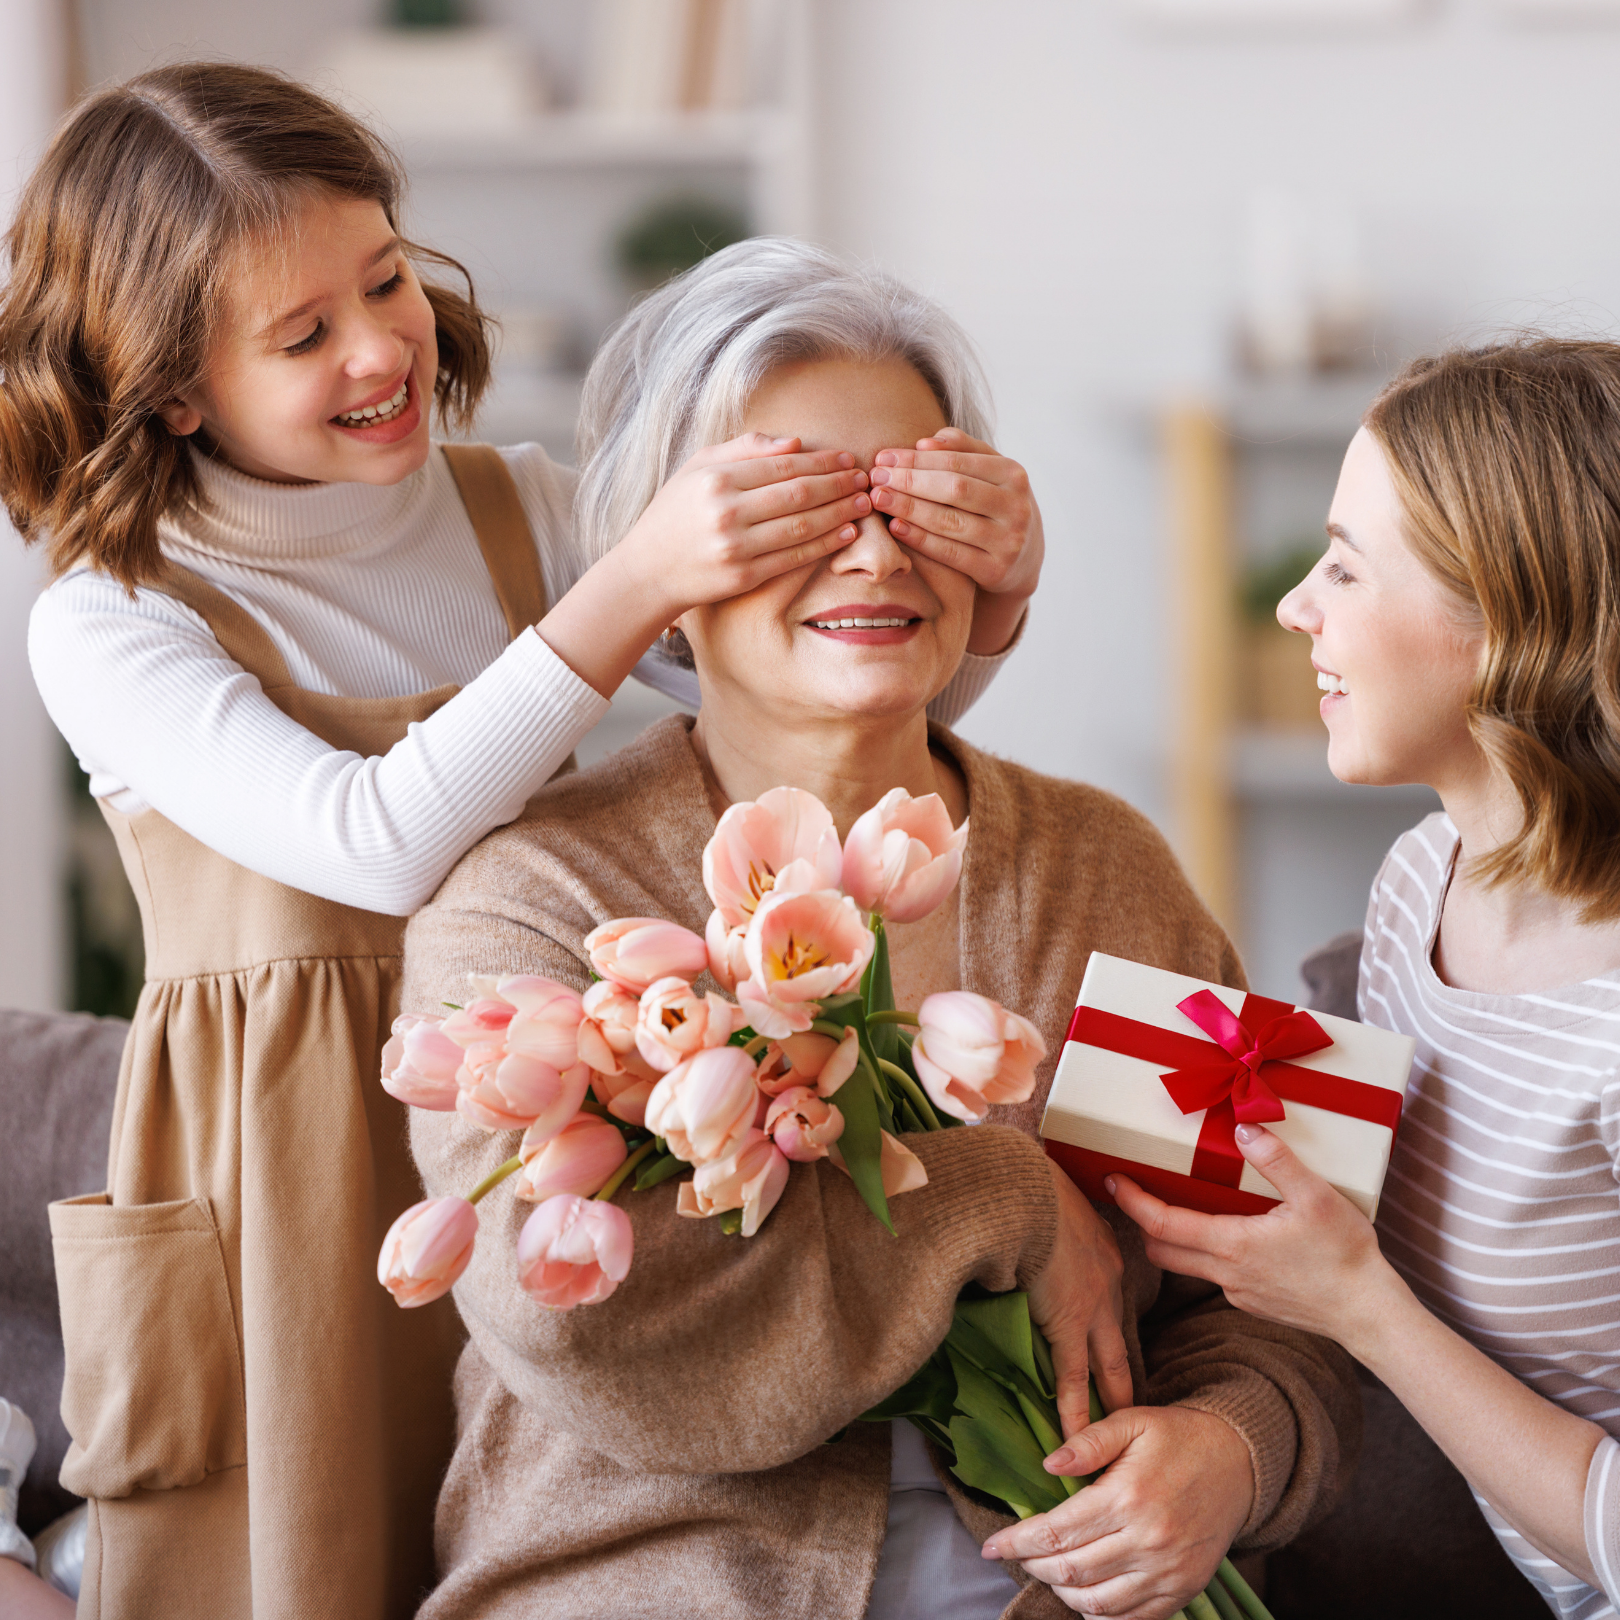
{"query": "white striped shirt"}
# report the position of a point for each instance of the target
(1502, 1204)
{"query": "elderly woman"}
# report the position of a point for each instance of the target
(666, 1451)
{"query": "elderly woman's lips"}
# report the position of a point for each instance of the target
(882, 624)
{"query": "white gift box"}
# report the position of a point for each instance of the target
(1111, 1110)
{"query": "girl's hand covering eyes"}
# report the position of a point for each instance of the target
(953, 499)
(740, 513)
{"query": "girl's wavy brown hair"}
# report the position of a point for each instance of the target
(1506, 460)
(122, 241)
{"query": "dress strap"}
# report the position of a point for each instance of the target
(234, 628)
(490, 495)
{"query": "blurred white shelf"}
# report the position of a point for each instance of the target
(1293, 765)
(583, 140)
(1311, 412)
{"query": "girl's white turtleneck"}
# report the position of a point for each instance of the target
(367, 592)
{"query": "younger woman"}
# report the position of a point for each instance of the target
(1466, 625)
(307, 658)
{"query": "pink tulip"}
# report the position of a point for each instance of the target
(574, 1251)
(802, 1125)
(972, 1053)
(901, 1169)
(578, 1159)
(816, 1061)
(607, 1033)
(426, 1249)
(727, 948)
(625, 1096)
(902, 858)
(801, 948)
(636, 951)
(751, 1178)
(419, 1064)
(546, 1025)
(703, 1108)
(479, 1021)
(755, 843)
(675, 1021)
(510, 1091)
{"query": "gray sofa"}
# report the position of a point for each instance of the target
(1406, 1543)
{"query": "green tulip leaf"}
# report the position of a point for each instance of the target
(995, 1450)
(930, 1393)
(877, 992)
(1003, 1321)
(659, 1169)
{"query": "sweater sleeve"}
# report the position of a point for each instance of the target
(1292, 1397)
(721, 1354)
(146, 696)
(972, 680)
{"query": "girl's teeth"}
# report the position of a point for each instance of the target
(386, 412)
(859, 624)
(1332, 683)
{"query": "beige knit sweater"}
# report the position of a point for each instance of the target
(665, 1452)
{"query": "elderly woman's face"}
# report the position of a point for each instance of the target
(787, 644)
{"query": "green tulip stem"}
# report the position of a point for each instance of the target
(1247, 1600)
(592, 1106)
(925, 1109)
(758, 1044)
(893, 1016)
(495, 1178)
(1200, 1608)
(617, 1179)
(825, 1026)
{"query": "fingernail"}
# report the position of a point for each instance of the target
(989, 1550)
(780, 439)
(1108, 1182)
(845, 459)
(848, 532)
(863, 504)
(883, 496)
(880, 474)
(887, 458)
(1247, 1134)
(1061, 1458)
(899, 528)
(861, 479)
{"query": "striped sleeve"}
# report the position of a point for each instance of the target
(1603, 1517)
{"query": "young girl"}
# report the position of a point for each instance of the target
(1466, 625)
(308, 660)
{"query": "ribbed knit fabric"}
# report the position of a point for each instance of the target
(367, 591)
(666, 1449)
(1501, 1208)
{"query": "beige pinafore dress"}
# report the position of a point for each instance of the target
(259, 1428)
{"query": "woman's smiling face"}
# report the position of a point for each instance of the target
(790, 646)
(1393, 648)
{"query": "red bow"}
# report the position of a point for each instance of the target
(1254, 1075)
(1243, 1079)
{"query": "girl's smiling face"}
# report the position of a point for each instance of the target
(1395, 651)
(312, 341)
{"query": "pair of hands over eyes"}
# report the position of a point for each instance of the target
(1139, 1541)
(743, 512)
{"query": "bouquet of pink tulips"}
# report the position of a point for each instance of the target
(644, 1075)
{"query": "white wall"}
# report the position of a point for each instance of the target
(32, 950)
(1070, 183)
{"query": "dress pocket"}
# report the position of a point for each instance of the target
(152, 1395)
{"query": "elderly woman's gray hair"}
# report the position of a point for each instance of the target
(677, 372)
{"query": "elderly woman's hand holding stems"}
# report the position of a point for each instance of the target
(740, 513)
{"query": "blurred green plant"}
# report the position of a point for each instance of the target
(426, 13)
(672, 235)
(107, 955)
(1264, 584)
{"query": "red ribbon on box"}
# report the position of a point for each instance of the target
(1241, 1075)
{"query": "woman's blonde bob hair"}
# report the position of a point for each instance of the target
(120, 251)
(1506, 461)
(677, 372)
